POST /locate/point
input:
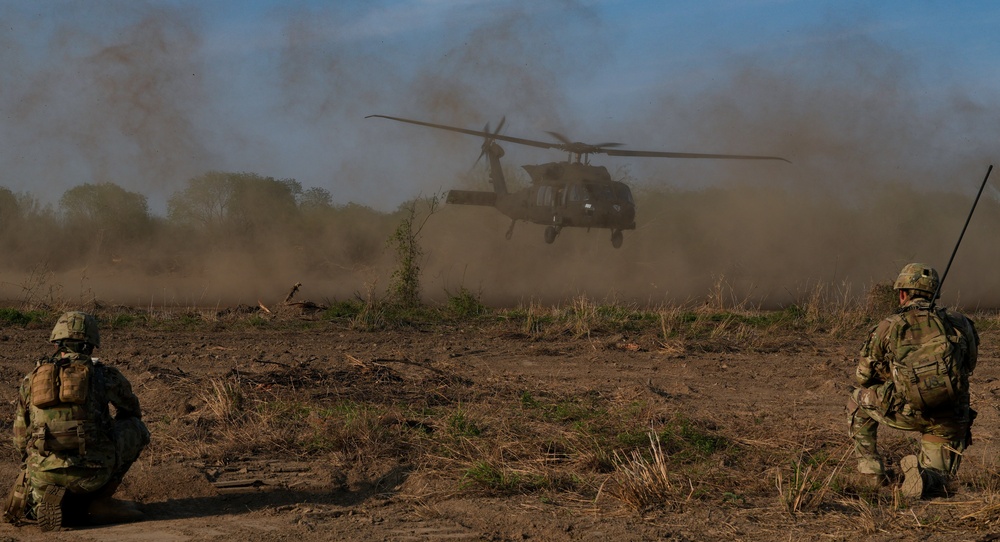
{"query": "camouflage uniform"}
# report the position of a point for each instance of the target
(79, 447)
(944, 433)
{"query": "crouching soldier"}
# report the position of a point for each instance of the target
(74, 452)
(914, 375)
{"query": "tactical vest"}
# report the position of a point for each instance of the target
(68, 406)
(929, 361)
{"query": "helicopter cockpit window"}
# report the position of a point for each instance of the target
(622, 193)
(577, 192)
(600, 192)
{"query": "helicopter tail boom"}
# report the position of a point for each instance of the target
(472, 197)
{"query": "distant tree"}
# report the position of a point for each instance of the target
(10, 209)
(263, 204)
(315, 198)
(106, 215)
(235, 204)
(106, 203)
(203, 202)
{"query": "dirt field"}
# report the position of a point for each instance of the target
(485, 431)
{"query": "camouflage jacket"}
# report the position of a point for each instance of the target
(107, 386)
(879, 351)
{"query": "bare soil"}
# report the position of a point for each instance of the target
(773, 405)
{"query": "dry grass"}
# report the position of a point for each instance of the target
(642, 480)
(628, 449)
(805, 487)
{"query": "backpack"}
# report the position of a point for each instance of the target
(61, 418)
(929, 360)
(54, 383)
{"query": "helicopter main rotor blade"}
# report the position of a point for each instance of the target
(518, 140)
(579, 148)
(658, 154)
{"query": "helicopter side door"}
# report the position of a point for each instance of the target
(543, 203)
(577, 208)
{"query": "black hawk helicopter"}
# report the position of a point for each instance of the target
(570, 194)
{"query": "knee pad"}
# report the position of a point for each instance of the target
(940, 455)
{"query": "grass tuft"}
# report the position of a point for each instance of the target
(641, 478)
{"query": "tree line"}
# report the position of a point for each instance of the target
(104, 223)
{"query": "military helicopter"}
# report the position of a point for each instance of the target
(572, 193)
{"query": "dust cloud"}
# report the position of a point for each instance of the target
(883, 171)
(882, 174)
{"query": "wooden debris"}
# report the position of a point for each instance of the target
(291, 294)
(305, 307)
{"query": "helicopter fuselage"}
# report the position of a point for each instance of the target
(561, 195)
(569, 194)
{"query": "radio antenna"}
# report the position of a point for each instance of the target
(937, 292)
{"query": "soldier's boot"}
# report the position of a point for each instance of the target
(936, 484)
(940, 459)
(48, 512)
(913, 480)
(871, 465)
(871, 473)
(107, 510)
(103, 509)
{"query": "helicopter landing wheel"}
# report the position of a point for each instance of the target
(617, 238)
(550, 234)
(510, 231)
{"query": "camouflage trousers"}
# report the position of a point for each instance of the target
(130, 437)
(943, 438)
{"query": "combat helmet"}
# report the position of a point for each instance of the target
(76, 326)
(917, 276)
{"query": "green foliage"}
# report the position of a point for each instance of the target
(257, 321)
(371, 317)
(343, 309)
(404, 288)
(682, 439)
(577, 409)
(701, 440)
(124, 320)
(496, 479)
(186, 320)
(625, 317)
(465, 304)
(529, 402)
(462, 426)
(14, 317)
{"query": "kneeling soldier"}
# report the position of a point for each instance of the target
(913, 374)
(74, 452)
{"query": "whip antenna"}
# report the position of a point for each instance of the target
(974, 203)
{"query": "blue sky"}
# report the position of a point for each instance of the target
(149, 94)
